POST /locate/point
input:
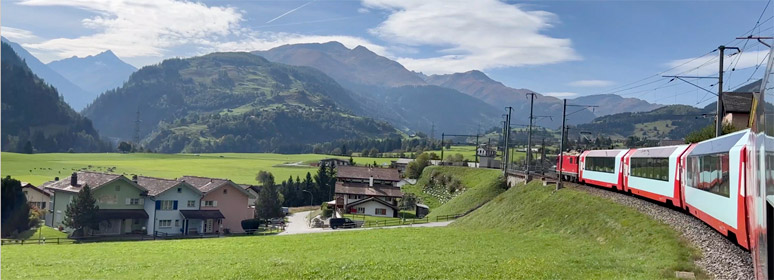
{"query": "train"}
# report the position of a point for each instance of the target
(707, 179)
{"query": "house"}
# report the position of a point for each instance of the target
(401, 164)
(120, 201)
(229, 198)
(253, 190)
(736, 108)
(486, 157)
(368, 191)
(38, 198)
(173, 207)
(334, 162)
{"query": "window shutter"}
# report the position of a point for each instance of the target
(215, 203)
(128, 200)
(174, 205)
(158, 204)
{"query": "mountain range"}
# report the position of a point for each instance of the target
(35, 118)
(94, 73)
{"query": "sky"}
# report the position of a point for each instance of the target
(565, 48)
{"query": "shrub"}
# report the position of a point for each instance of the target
(251, 225)
(326, 213)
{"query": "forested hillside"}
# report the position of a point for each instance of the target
(673, 121)
(232, 102)
(35, 118)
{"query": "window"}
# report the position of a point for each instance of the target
(650, 168)
(165, 223)
(192, 203)
(177, 223)
(380, 211)
(179, 190)
(118, 188)
(361, 210)
(709, 173)
(209, 203)
(225, 191)
(167, 205)
(600, 164)
(134, 201)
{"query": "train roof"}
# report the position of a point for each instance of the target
(604, 153)
(657, 152)
(721, 144)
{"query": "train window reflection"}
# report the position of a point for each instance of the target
(709, 173)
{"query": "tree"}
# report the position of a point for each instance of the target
(707, 133)
(28, 148)
(415, 168)
(15, 211)
(408, 202)
(124, 147)
(351, 161)
(268, 204)
(81, 213)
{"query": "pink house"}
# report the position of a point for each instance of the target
(226, 196)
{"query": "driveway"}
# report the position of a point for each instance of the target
(297, 225)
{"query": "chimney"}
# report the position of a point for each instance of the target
(56, 178)
(371, 181)
(134, 178)
(74, 179)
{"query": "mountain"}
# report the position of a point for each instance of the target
(33, 112)
(388, 91)
(610, 104)
(479, 85)
(96, 73)
(672, 121)
(348, 66)
(231, 102)
(74, 95)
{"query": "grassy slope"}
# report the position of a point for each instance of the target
(42, 232)
(481, 187)
(592, 224)
(241, 168)
(520, 235)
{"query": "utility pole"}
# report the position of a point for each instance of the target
(529, 133)
(432, 131)
(561, 145)
(137, 128)
(719, 117)
(507, 138)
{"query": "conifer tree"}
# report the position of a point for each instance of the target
(81, 213)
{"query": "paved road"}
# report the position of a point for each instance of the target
(297, 225)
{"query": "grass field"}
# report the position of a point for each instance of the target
(525, 233)
(42, 232)
(240, 168)
(481, 187)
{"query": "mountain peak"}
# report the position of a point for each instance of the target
(107, 53)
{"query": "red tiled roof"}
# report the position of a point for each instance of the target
(359, 172)
(364, 189)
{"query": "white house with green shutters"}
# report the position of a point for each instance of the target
(173, 207)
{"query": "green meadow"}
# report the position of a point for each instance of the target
(527, 232)
(240, 168)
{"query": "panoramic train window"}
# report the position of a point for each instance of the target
(600, 164)
(650, 168)
(709, 173)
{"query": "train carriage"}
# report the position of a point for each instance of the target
(602, 168)
(654, 173)
(714, 184)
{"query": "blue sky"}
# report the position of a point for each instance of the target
(561, 48)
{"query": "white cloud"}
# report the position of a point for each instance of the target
(708, 65)
(17, 35)
(561, 94)
(592, 83)
(480, 34)
(141, 27)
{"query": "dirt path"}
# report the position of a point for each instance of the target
(297, 225)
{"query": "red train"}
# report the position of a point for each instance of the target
(706, 179)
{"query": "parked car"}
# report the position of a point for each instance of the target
(341, 223)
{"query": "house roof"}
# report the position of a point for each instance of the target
(206, 184)
(374, 199)
(404, 160)
(156, 186)
(420, 205)
(31, 186)
(108, 214)
(737, 102)
(93, 179)
(335, 159)
(202, 214)
(364, 189)
(358, 172)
